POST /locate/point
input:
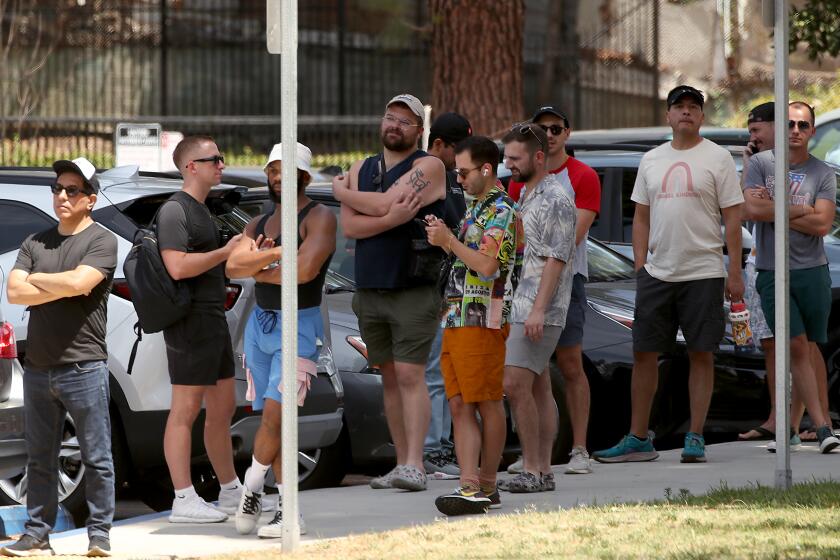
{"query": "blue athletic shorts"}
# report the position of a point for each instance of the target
(263, 354)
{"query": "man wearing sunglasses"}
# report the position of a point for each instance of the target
(63, 275)
(397, 300)
(812, 190)
(682, 190)
(569, 353)
(540, 302)
(198, 347)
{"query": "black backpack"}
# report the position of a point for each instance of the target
(158, 300)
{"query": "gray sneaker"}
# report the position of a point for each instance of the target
(408, 477)
(579, 462)
(384, 481)
(440, 467)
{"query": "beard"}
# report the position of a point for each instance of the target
(275, 196)
(523, 175)
(399, 144)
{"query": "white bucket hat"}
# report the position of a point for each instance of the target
(303, 157)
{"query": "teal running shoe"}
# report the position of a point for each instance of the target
(629, 449)
(694, 449)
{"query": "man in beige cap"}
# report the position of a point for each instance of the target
(397, 300)
(258, 256)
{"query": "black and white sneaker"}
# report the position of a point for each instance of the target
(274, 528)
(248, 512)
(463, 501)
(99, 547)
(28, 545)
(828, 440)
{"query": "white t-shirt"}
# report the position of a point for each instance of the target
(685, 190)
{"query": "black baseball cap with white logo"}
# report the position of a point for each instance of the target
(681, 91)
(81, 167)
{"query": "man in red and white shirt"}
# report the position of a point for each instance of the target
(587, 189)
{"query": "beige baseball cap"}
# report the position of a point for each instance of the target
(409, 101)
(303, 157)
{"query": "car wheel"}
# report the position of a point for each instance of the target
(831, 353)
(324, 467)
(71, 474)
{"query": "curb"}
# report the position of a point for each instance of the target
(13, 518)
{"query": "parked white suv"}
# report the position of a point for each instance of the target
(140, 390)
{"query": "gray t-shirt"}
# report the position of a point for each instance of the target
(72, 329)
(809, 181)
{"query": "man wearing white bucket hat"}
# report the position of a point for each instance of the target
(259, 255)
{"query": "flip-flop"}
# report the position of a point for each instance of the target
(759, 433)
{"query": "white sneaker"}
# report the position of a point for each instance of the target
(229, 499)
(795, 444)
(248, 512)
(516, 467)
(579, 462)
(274, 529)
(195, 510)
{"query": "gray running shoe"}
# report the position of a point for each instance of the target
(440, 467)
(525, 483)
(516, 467)
(384, 481)
(579, 462)
(410, 478)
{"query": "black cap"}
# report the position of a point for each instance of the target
(766, 112)
(81, 167)
(675, 94)
(451, 128)
(550, 110)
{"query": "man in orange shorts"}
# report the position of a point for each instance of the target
(487, 255)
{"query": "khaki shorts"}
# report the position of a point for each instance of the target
(524, 353)
(472, 361)
(398, 325)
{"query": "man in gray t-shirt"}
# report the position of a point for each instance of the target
(812, 189)
(64, 276)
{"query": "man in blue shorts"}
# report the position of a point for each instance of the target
(258, 255)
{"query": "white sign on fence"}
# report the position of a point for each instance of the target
(138, 144)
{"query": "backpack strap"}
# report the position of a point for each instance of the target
(139, 332)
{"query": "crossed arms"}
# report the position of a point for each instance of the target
(41, 287)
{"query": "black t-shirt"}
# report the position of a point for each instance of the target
(186, 225)
(71, 329)
(456, 206)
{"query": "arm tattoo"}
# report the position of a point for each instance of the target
(416, 180)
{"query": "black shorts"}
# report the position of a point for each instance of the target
(695, 306)
(199, 350)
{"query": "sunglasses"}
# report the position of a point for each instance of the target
(462, 173)
(215, 159)
(804, 126)
(525, 128)
(72, 192)
(395, 121)
(554, 129)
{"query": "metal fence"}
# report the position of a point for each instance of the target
(77, 67)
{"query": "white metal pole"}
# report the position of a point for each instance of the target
(782, 206)
(427, 128)
(289, 301)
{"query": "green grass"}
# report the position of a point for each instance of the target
(754, 522)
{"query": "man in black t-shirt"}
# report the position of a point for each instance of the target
(64, 276)
(198, 347)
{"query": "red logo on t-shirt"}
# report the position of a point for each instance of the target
(677, 182)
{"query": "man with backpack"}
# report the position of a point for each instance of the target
(258, 255)
(190, 248)
(438, 454)
(63, 275)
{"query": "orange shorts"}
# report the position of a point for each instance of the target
(472, 361)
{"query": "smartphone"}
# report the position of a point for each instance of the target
(751, 149)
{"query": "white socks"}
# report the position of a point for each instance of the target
(232, 485)
(186, 493)
(255, 476)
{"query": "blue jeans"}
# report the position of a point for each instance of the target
(440, 426)
(80, 389)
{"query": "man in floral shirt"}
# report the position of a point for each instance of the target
(477, 305)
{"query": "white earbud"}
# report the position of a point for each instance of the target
(484, 173)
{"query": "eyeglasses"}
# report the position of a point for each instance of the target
(525, 128)
(402, 123)
(72, 192)
(462, 173)
(215, 159)
(804, 126)
(554, 129)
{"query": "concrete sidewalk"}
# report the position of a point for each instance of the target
(336, 512)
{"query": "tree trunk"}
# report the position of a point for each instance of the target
(477, 61)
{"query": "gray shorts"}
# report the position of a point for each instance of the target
(522, 352)
(576, 316)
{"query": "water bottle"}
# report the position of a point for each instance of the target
(739, 317)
